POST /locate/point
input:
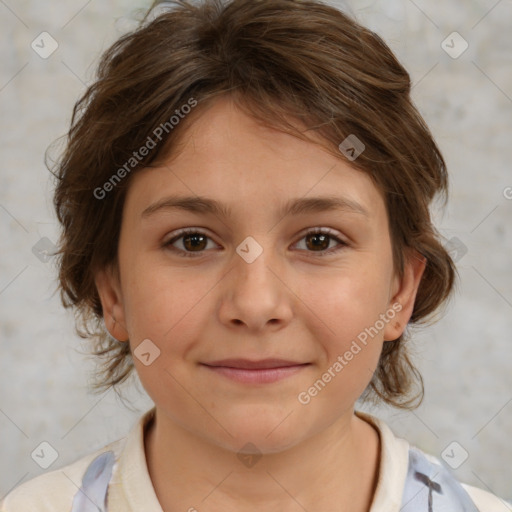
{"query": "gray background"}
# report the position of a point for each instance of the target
(465, 358)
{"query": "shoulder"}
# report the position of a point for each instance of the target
(408, 475)
(54, 491)
(486, 501)
(427, 473)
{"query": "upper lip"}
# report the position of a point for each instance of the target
(254, 365)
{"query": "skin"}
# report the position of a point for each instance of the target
(291, 303)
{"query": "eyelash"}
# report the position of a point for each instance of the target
(191, 254)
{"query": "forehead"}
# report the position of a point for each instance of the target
(229, 156)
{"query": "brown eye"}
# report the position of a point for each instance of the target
(189, 242)
(318, 241)
(195, 241)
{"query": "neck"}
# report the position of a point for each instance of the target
(334, 469)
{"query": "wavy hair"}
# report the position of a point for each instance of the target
(280, 60)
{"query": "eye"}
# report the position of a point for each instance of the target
(193, 241)
(319, 239)
(196, 241)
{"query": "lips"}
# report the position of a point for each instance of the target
(247, 364)
(264, 371)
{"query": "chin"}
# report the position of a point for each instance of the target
(268, 433)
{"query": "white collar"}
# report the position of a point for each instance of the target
(131, 475)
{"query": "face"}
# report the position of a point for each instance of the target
(255, 280)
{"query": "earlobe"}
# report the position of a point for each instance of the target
(109, 291)
(405, 295)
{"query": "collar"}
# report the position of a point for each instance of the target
(132, 475)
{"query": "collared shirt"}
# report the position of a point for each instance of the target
(408, 480)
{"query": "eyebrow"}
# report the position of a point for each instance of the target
(304, 205)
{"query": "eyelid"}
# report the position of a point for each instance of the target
(185, 231)
(322, 230)
(333, 234)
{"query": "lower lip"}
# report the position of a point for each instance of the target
(262, 376)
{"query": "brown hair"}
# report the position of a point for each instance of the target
(280, 60)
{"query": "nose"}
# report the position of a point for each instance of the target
(254, 292)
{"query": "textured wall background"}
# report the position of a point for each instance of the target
(465, 358)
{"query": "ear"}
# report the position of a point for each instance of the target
(404, 294)
(111, 297)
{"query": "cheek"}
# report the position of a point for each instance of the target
(167, 308)
(346, 302)
(160, 302)
(345, 316)
(348, 351)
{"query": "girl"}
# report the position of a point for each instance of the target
(244, 199)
